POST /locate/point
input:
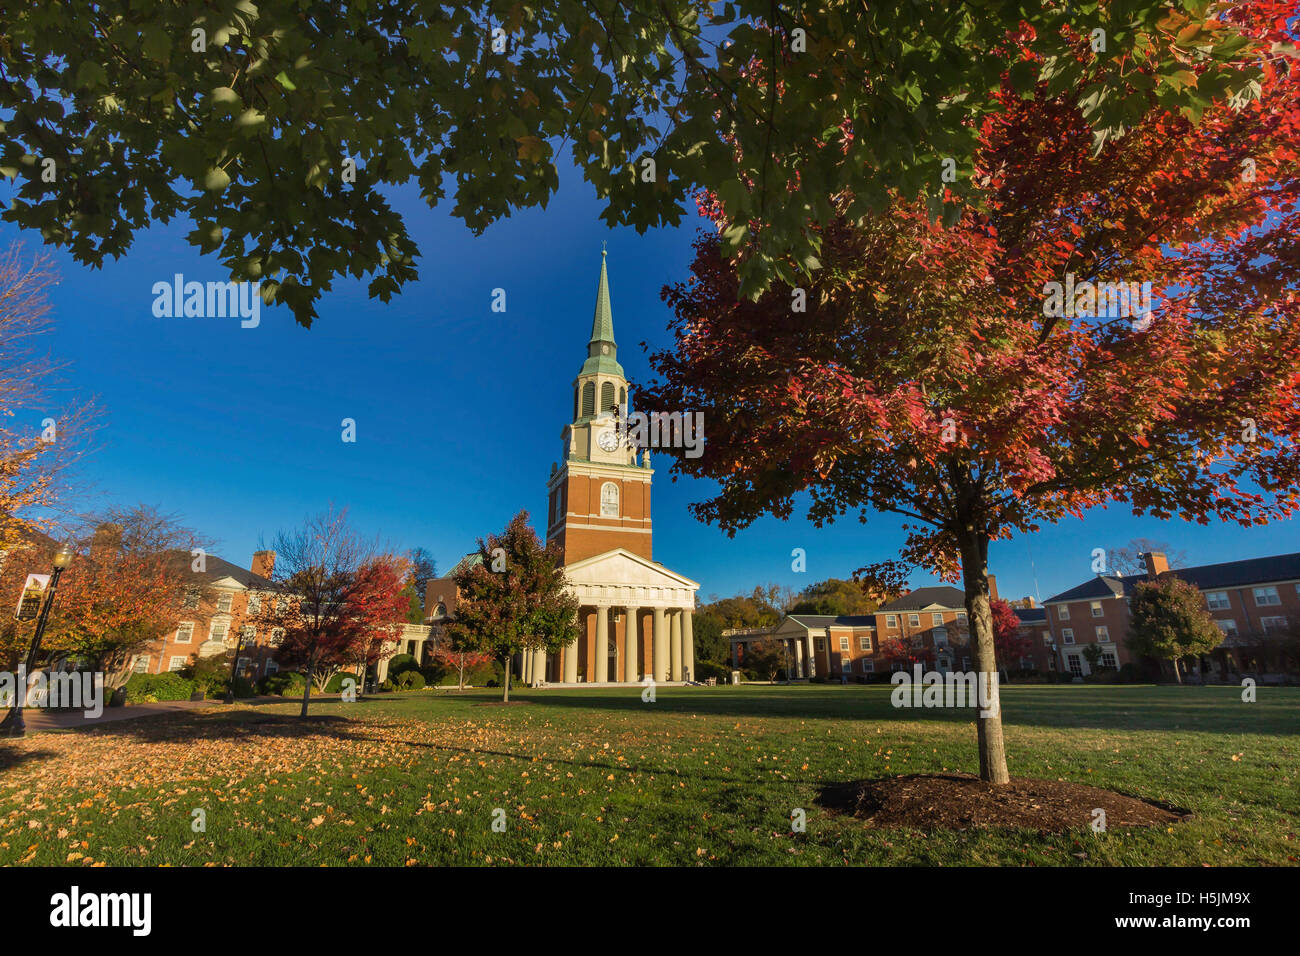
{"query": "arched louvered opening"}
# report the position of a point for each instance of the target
(622, 398)
(607, 397)
(589, 399)
(577, 402)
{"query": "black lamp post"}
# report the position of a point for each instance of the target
(13, 725)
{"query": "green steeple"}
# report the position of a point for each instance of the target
(602, 351)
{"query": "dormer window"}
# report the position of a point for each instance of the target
(224, 602)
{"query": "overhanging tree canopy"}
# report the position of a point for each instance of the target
(275, 127)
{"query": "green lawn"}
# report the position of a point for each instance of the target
(701, 776)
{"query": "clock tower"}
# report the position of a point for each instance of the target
(599, 494)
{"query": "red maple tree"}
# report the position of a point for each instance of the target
(1010, 643)
(928, 374)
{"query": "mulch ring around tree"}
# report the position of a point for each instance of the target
(960, 801)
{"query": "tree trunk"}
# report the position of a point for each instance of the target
(505, 695)
(1177, 673)
(461, 688)
(361, 688)
(975, 577)
(306, 691)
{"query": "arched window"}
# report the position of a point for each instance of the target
(607, 397)
(589, 399)
(609, 500)
(622, 398)
(577, 402)
(440, 611)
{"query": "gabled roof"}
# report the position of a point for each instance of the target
(1205, 577)
(921, 598)
(1031, 615)
(216, 568)
(468, 561)
(833, 620)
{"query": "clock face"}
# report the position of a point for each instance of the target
(604, 349)
(607, 440)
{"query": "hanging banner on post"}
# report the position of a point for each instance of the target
(29, 604)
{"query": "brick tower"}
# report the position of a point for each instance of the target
(599, 494)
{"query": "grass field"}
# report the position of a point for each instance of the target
(700, 776)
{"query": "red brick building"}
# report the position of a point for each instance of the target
(1248, 599)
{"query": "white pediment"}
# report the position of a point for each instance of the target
(622, 578)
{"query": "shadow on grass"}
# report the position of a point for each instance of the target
(1120, 708)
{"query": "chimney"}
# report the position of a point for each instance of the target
(1157, 563)
(993, 587)
(106, 540)
(263, 563)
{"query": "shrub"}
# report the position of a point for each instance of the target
(210, 674)
(1131, 673)
(335, 683)
(401, 662)
(409, 680)
(706, 669)
(387, 686)
(145, 688)
(283, 683)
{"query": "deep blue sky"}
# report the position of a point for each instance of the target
(458, 409)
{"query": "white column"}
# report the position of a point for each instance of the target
(571, 655)
(812, 655)
(631, 644)
(688, 643)
(660, 639)
(539, 665)
(676, 645)
(526, 665)
(602, 644)
(798, 658)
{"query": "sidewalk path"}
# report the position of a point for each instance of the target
(40, 721)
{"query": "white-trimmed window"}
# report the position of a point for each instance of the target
(1067, 635)
(1047, 637)
(184, 633)
(1108, 660)
(1103, 634)
(243, 665)
(1096, 608)
(191, 599)
(1063, 612)
(609, 500)
(821, 643)
(1266, 597)
(1272, 623)
(1076, 666)
(940, 638)
(1227, 625)
(914, 620)
(224, 602)
(254, 602)
(141, 664)
(891, 620)
(1217, 600)
(961, 618)
(844, 644)
(864, 642)
(1026, 663)
(218, 630)
(936, 618)
(248, 634)
(868, 666)
(175, 663)
(272, 667)
(277, 636)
